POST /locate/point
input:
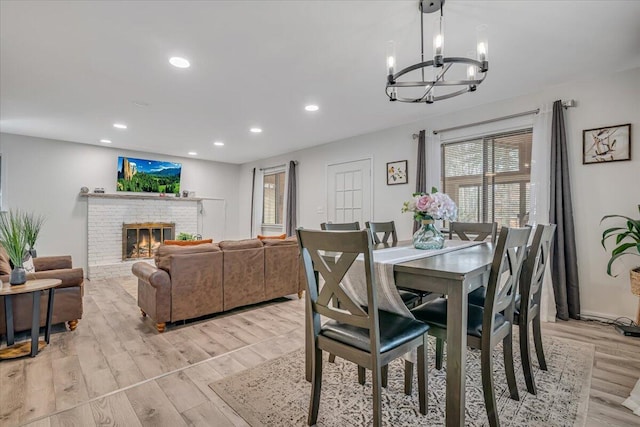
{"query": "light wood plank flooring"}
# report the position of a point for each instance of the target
(115, 369)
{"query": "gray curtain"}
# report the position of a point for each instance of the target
(291, 220)
(564, 265)
(421, 170)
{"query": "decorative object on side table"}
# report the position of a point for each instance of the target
(14, 239)
(607, 144)
(397, 172)
(426, 208)
(32, 225)
(627, 240)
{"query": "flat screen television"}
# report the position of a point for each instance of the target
(148, 176)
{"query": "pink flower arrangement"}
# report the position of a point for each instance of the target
(431, 206)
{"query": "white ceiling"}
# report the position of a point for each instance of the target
(69, 69)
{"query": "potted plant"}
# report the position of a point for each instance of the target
(627, 242)
(32, 225)
(186, 236)
(14, 239)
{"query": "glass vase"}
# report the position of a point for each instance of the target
(428, 236)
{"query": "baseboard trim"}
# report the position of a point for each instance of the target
(594, 315)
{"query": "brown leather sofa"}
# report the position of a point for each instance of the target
(193, 281)
(67, 305)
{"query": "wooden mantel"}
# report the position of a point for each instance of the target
(168, 197)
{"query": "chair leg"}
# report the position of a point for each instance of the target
(439, 353)
(377, 391)
(332, 358)
(537, 341)
(507, 351)
(423, 380)
(408, 378)
(384, 373)
(362, 375)
(486, 357)
(525, 356)
(316, 385)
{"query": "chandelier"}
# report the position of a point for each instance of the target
(433, 71)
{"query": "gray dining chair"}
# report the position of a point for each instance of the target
(476, 231)
(490, 324)
(369, 337)
(340, 226)
(527, 305)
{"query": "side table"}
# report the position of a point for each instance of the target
(35, 287)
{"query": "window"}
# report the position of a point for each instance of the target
(489, 177)
(273, 198)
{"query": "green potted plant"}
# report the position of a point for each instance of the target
(186, 236)
(32, 225)
(14, 239)
(627, 242)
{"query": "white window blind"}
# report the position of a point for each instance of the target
(273, 198)
(488, 177)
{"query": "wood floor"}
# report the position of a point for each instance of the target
(115, 369)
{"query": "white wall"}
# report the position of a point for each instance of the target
(45, 176)
(597, 189)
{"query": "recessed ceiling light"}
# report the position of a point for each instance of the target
(192, 153)
(312, 107)
(255, 130)
(105, 141)
(218, 143)
(119, 126)
(179, 62)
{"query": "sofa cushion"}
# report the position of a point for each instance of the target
(279, 237)
(187, 242)
(279, 242)
(236, 245)
(5, 267)
(164, 253)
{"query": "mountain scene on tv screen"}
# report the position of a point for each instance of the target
(148, 176)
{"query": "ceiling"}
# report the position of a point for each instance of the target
(70, 69)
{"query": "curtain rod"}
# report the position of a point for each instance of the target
(565, 104)
(278, 166)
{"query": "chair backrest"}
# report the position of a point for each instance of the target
(481, 230)
(508, 258)
(534, 266)
(350, 244)
(345, 226)
(388, 228)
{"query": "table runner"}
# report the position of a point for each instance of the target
(355, 285)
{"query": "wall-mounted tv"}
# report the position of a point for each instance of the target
(148, 176)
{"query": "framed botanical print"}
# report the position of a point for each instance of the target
(606, 144)
(397, 172)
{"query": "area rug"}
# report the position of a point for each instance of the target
(275, 393)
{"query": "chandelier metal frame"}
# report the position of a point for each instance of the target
(438, 62)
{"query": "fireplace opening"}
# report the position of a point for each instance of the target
(143, 239)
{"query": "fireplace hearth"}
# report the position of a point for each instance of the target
(141, 240)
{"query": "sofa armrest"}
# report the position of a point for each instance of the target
(69, 276)
(155, 277)
(52, 262)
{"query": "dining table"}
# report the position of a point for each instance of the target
(454, 274)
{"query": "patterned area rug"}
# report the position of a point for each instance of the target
(276, 394)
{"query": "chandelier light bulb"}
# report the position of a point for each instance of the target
(482, 52)
(391, 58)
(438, 42)
(471, 72)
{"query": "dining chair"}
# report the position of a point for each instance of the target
(478, 230)
(369, 337)
(488, 325)
(388, 228)
(340, 226)
(527, 306)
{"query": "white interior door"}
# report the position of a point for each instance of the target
(212, 219)
(349, 192)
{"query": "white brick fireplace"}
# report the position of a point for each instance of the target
(107, 213)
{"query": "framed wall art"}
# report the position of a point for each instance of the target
(397, 172)
(606, 144)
